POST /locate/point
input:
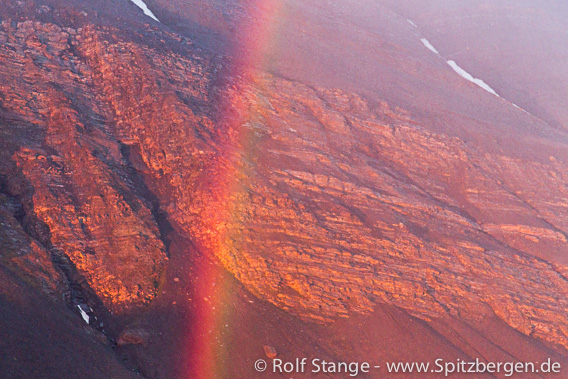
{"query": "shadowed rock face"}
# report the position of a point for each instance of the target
(327, 195)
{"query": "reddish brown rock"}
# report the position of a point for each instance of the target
(319, 201)
(402, 188)
(270, 352)
(93, 213)
(133, 336)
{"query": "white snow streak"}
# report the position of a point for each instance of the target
(466, 75)
(461, 72)
(429, 45)
(142, 5)
(83, 314)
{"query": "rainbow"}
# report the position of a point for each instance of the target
(209, 336)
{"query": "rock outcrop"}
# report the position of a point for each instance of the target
(319, 200)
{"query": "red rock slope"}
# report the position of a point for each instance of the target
(348, 174)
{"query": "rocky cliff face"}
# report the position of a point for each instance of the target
(351, 203)
(320, 200)
(78, 187)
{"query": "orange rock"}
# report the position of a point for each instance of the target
(270, 351)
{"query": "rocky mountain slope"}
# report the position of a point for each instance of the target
(335, 174)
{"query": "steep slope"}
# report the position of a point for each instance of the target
(89, 213)
(489, 37)
(339, 179)
(319, 194)
(42, 339)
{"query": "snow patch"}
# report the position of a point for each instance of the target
(429, 45)
(411, 23)
(83, 314)
(463, 73)
(466, 75)
(142, 5)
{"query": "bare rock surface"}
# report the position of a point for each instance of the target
(130, 155)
